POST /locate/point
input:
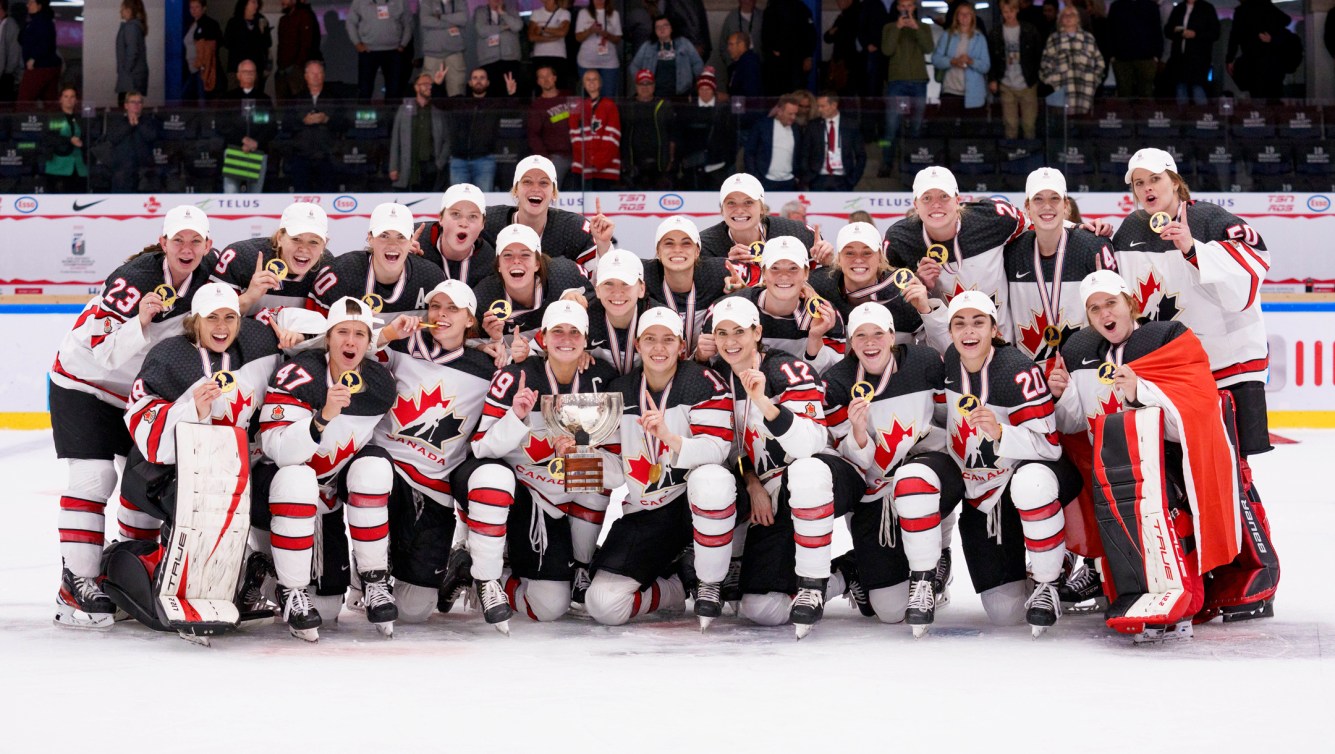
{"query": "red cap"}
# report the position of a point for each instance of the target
(644, 76)
(707, 78)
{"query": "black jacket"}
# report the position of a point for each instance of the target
(708, 135)
(1133, 31)
(1031, 53)
(850, 148)
(475, 123)
(1190, 63)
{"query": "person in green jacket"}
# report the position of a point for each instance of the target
(66, 171)
(906, 42)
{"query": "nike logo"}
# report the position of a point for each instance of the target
(950, 382)
(1024, 274)
(1134, 244)
(1087, 362)
(419, 201)
(81, 207)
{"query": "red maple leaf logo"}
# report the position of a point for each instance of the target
(1147, 288)
(236, 406)
(325, 463)
(538, 448)
(1032, 337)
(1126, 204)
(749, 442)
(887, 444)
(959, 438)
(638, 469)
(1110, 405)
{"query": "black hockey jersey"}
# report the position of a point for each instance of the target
(716, 241)
(1038, 302)
(478, 266)
(711, 274)
(789, 333)
(236, 265)
(799, 430)
(566, 235)
(610, 344)
(351, 275)
(562, 275)
(829, 283)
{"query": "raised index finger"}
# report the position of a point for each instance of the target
(597, 205)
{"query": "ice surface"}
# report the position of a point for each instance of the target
(455, 684)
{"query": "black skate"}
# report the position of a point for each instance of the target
(255, 606)
(686, 570)
(708, 602)
(81, 603)
(579, 586)
(1044, 608)
(731, 592)
(303, 620)
(941, 579)
(1081, 591)
(494, 604)
(808, 604)
(1250, 611)
(379, 601)
(921, 611)
(457, 582)
(847, 565)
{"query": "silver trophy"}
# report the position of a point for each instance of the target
(588, 418)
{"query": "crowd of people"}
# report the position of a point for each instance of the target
(623, 94)
(1077, 403)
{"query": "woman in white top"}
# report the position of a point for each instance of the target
(598, 31)
(547, 28)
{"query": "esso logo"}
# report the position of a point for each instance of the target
(25, 204)
(345, 204)
(671, 202)
(1316, 203)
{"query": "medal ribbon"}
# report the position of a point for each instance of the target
(1051, 298)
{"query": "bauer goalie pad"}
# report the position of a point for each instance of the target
(202, 562)
(1143, 554)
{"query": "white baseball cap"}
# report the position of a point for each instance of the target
(463, 192)
(1045, 179)
(185, 217)
(212, 297)
(619, 264)
(864, 232)
(1151, 159)
(972, 300)
(870, 313)
(744, 183)
(534, 162)
(349, 309)
(1102, 281)
(660, 315)
(565, 313)
(305, 217)
(390, 216)
(518, 234)
(735, 309)
(459, 292)
(935, 177)
(784, 247)
(677, 222)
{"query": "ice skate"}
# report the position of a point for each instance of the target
(853, 588)
(708, 602)
(1160, 634)
(495, 607)
(921, 611)
(379, 600)
(731, 592)
(1081, 591)
(196, 639)
(256, 608)
(1044, 608)
(302, 619)
(941, 579)
(808, 605)
(81, 603)
(457, 582)
(579, 586)
(1251, 611)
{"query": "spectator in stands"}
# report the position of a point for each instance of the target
(595, 137)
(131, 51)
(380, 30)
(745, 17)
(314, 123)
(1192, 30)
(905, 43)
(708, 134)
(794, 210)
(962, 61)
(788, 43)
(298, 44)
(62, 142)
(862, 216)
(11, 56)
(418, 148)
(41, 75)
(249, 128)
(639, 22)
(835, 154)
(872, 17)
(497, 30)
(444, 27)
(548, 125)
(474, 124)
(1072, 64)
(1016, 49)
(1134, 44)
(806, 103)
(673, 61)
(547, 27)
(248, 37)
(1036, 16)
(248, 85)
(598, 30)
(648, 149)
(1255, 59)
(690, 22)
(128, 141)
(847, 63)
(202, 37)
(744, 73)
(774, 150)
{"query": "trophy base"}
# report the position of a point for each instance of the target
(584, 472)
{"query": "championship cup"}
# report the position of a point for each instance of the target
(589, 418)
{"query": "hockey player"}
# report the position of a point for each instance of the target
(555, 532)
(861, 274)
(1001, 433)
(953, 246)
(685, 281)
(795, 491)
(615, 313)
(279, 271)
(142, 303)
(1157, 545)
(745, 226)
(454, 242)
(674, 441)
(1044, 267)
(1204, 268)
(524, 282)
(440, 386)
(564, 234)
(387, 276)
(316, 427)
(886, 406)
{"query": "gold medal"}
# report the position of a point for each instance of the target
(352, 380)
(278, 267)
(813, 306)
(863, 390)
(655, 473)
(374, 301)
(1052, 335)
(902, 277)
(556, 468)
(1159, 221)
(500, 309)
(967, 403)
(167, 294)
(225, 380)
(1106, 371)
(939, 253)
(757, 251)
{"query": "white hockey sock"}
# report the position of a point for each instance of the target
(586, 513)
(811, 498)
(368, 524)
(712, 495)
(491, 493)
(917, 503)
(1034, 493)
(135, 524)
(82, 517)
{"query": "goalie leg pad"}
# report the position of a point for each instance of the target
(129, 569)
(712, 493)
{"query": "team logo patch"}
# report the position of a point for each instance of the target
(107, 327)
(277, 414)
(810, 410)
(151, 415)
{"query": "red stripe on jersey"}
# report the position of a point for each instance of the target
(721, 515)
(836, 345)
(292, 510)
(1237, 257)
(59, 369)
(368, 533)
(1043, 545)
(1040, 513)
(1052, 438)
(806, 541)
(286, 399)
(926, 523)
(136, 533)
(315, 306)
(582, 513)
(586, 256)
(813, 514)
(490, 496)
(1028, 413)
(720, 404)
(837, 416)
(1255, 365)
(489, 530)
(806, 394)
(491, 409)
(714, 540)
(1252, 253)
(137, 417)
(977, 501)
(81, 536)
(635, 601)
(126, 504)
(81, 506)
(155, 434)
(292, 543)
(267, 426)
(613, 449)
(358, 500)
(654, 595)
(915, 486)
(420, 479)
(938, 397)
(723, 433)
